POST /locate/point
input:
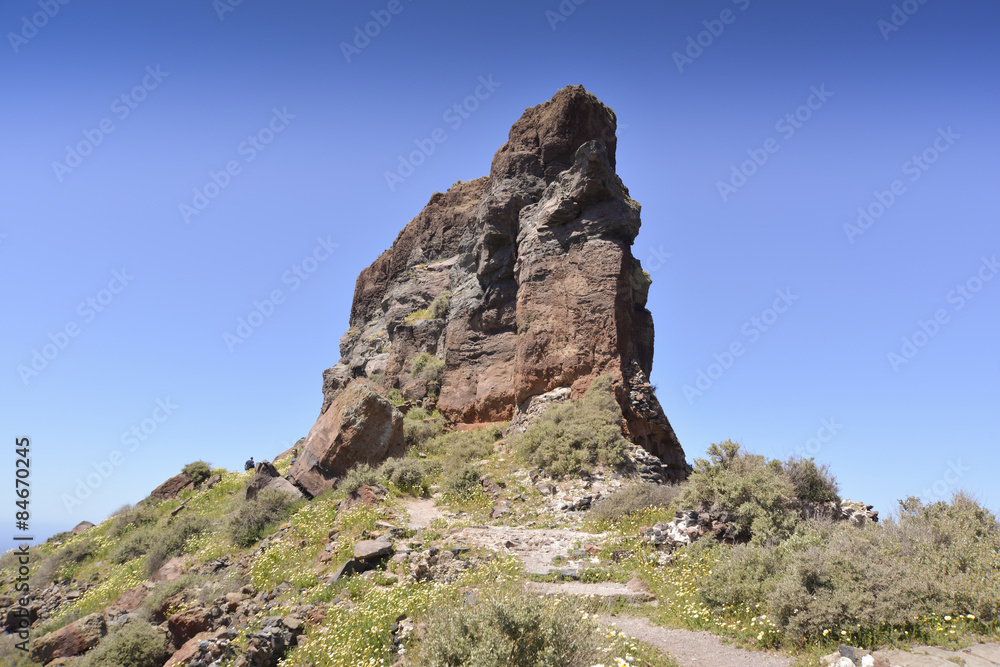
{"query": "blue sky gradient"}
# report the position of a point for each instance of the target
(702, 90)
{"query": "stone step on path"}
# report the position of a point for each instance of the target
(693, 649)
(608, 591)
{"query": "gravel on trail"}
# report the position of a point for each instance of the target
(693, 649)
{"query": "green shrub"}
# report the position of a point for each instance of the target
(876, 582)
(439, 306)
(425, 365)
(416, 414)
(198, 471)
(507, 628)
(462, 482)
(633, 499)
(252, 518)
(170, 542)
(811, 482)
(61, 564)
(435, 311)
(407, 474)
(417, 432)
(758, 494)
(571, 437)
(395, 397)
(140, 514)
(358, 476)
(136, 644)
(135, 543)
(457, 448)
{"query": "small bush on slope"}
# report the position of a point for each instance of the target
(253, 518)
(427, 366)
(133, 544)
(198, 471)
(60, 565)
(507, 628)
(577, 436)
(904, 579)
(762, 495)
(140, 514)
(418, 432)
(407, 474)
(136, 644)
(631, 500)
(360, 475)
(170, 542)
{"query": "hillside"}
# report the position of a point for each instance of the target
(491, 481)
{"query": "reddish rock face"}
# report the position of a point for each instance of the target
(128, 601)
(74, 639)
(359, 426)
(535, 265)
(186, 624)
(173, 486)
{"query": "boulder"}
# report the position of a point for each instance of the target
(171, 570)
(74, 639)
(372, 550)
(172, 487)
(266, 476)
(82, 526)
(360, 426)
(186, 624)
(128, 601)
(365, 495)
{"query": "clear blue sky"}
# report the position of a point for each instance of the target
(140, 104)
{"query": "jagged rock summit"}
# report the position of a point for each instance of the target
(514, 285)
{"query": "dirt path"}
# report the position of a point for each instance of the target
(421, 511)
(693, 649)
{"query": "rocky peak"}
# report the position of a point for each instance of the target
(517, 284)
(543, 142)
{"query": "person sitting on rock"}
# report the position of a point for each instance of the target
(249, 465)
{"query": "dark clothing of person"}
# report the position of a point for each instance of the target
(249, 464)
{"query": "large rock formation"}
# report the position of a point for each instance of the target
(520, 282)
